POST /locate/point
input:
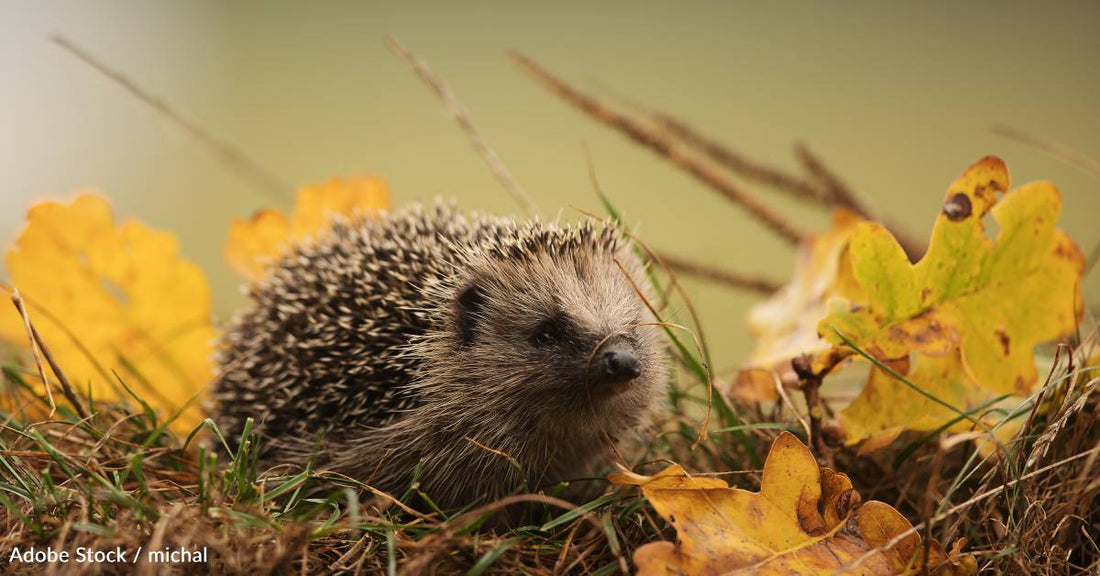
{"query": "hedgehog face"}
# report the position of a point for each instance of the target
(566, 335)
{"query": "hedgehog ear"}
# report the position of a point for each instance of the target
(471, 301)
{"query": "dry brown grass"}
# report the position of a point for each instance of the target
(120, 478)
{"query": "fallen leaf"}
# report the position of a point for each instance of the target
(121, 292)
(804, 520)
(254, 243)
(785, 325)
(752, 385)
(963, 322)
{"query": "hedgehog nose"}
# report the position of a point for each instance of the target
(618, 365)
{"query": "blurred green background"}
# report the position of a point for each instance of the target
(898, 97)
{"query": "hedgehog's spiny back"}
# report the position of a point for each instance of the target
(320, 344)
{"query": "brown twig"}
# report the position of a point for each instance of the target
(718, 275)
(1093, 258)
(17, 300)
(1059, 151)
(39, 345)
(826, 188)
(1065, 154)
(835, 191)
(811, 386)
(462, 116)
(266, 182)
(810, 375)
(663, 146)
(839, 194)
(738, 162)
(889, 544)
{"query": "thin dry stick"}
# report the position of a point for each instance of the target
(811, 381)
(836, 191)
(782, 391)
(723, 276)
(17, 300)
(1065, 154)
(266, 182)
(826, 188)
(66, 387)
(460, 115)
(719, 275)
(1093, 258)
(662, 146)
(1059, 151)
(962, 506)
(38, 344)
(565, 547)
(840, 194)
(738, 162)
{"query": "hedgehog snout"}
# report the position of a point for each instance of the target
(616, 365)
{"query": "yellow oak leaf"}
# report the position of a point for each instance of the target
(885, 407)
(785, 325)
(969, 313)
(804, 520)
(254, 243)
(112, 299)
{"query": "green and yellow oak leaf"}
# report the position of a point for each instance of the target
(112, 299)
(970, 312)
(804, 520)
(254, 243)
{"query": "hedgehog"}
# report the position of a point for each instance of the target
(473, 354)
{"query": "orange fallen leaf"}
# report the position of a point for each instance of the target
(804, 520)
(256, 242)
(121, 292)
(752, 385)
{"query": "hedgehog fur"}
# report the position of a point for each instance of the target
(483, 355)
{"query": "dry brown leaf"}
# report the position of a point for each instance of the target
(804, 520)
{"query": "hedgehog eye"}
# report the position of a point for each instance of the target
(546, 334)
(471, 303)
